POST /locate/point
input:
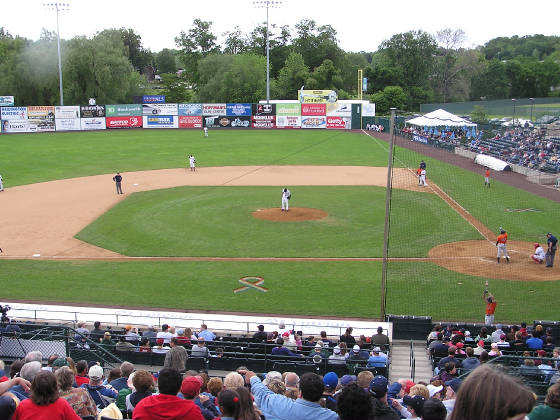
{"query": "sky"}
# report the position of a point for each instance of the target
(361, 24)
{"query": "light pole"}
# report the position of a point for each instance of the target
(513, 101)
(268, 4)
(58, 7)
(532, 105)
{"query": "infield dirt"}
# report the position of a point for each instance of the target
(41, 220)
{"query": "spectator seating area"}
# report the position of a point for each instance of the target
(523, 146)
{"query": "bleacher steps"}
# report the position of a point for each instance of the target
(400, 361)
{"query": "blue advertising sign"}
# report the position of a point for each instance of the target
(238, 110)
(364, 84)
(153, 99)
(190, 109)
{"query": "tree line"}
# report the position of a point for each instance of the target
(406, 70)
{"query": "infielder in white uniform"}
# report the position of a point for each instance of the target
(1, 183)
(205, 131)
(192, 162)
(423, 178)
(286, 194)
(539, 254)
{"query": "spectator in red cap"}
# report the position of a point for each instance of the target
(167, 405)
(190, 389)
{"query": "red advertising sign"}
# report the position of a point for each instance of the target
(313, 109)
(264, 121)
(124, 122)
(190, 121)
(338, 122)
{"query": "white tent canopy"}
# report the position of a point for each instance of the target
(440, 118)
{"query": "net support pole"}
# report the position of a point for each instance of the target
(387, 215)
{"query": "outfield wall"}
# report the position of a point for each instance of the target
(33, 119)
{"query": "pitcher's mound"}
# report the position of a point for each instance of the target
(296, 214)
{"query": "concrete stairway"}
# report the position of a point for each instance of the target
(400, 361)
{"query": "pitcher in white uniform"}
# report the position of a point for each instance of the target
(286, 194)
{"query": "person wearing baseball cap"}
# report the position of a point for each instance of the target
(95, 387)
(378, 391)
(331, 382)
(414, 405)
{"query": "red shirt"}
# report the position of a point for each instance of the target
(80, 380)
(166, 407)
(58, 410)
(487, 173)
(490, 308)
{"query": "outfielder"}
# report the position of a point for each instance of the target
(487, 178)
(501, 244)
(205, 131)
(1, 183)
(539, 254)
(286, 195)
(192, 162)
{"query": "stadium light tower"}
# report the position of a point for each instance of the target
(513, 101)
(58, 7)
(268, 4)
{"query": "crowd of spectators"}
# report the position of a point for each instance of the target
(528, 147)
(58, 388)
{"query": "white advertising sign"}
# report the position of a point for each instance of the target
(160, 109)
(368, 110)
(214, 109)
(14, 113)
(66, 112)
(339, 110)
(15, 126)
(288, 121)
(93, 123)
(67, 124)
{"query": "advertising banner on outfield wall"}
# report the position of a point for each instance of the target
(190, 109)
(314, 122)
(153, 99)
(224, 121)
(161, 121)
(15, 126)
(14, 113)
(190, 121)
(93, 124)
(339, 122)
(160, 109)
(288, 109)
(123, 122)
(288, 121)
(66, 112)
(7, 101)
(313, 109)
(67, 124)
(123, 110)
(264, 121)
(238, 110)
(264, 109)
(41, 118)
(339, 110)
(213, 109)
(317, 96)
(92, 111)
(368, 110)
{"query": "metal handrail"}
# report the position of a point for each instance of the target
(412, 361)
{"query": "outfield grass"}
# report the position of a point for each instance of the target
(338, 289)
(217, 221)
(30, 158)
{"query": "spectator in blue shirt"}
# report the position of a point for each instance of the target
(377, 359)
(206, 333)
(280, 350)
(533, 343)
(278, 407)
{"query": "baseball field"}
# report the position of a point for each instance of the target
(182, 240)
